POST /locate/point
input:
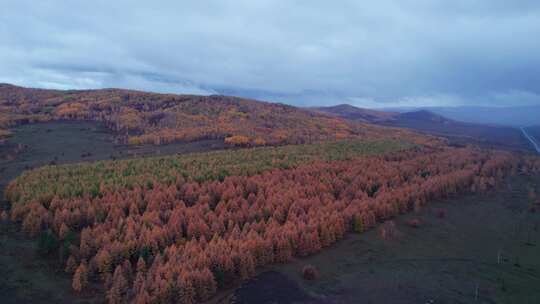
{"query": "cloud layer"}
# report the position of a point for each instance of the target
(407, 52)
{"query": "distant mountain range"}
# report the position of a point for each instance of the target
(458, 132)
(358, 114)
(510, 116)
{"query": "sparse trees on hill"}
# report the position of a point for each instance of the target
(148, 118)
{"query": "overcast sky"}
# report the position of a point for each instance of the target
(369, 53)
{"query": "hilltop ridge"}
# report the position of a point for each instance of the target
(151, 118)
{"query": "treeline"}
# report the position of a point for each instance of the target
(78, 180)
(180, 242)
(148, 118)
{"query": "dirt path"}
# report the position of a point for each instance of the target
(533, 140)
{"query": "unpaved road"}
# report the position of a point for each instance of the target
(533, 140)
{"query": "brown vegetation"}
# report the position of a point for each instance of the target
(414, 223)
(310, 273)
(200, 236)
(149, 118)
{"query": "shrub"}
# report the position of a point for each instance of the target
(237, 140)
(358, 225)
(47, 242)
(309, 272)
(414, 223)
(4, 216)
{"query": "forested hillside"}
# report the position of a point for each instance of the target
(358, 114)
(150, 118)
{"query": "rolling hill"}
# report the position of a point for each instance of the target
(512, 116)
(150, 118)
(358, 114)
(431, 123)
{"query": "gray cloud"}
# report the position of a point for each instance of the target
(406, 52)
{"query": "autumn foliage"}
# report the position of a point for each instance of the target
(237, 140)
(179, 240)
(94, 178)
(80, 277)
(149, 118)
